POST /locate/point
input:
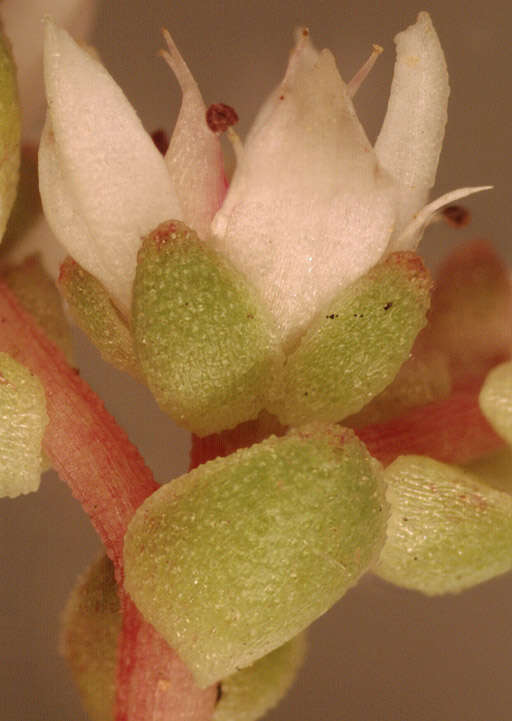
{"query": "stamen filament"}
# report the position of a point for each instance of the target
(361, 75)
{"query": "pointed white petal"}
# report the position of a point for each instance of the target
(308, 209)
(412, 134)
(104, 185)
(22, 24)
(194, 157)
(411, 235)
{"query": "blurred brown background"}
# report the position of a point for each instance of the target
(381, 654)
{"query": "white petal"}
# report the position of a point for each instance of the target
(308, 209)
(194, 157)
(103, 183)
(412, 134)
(411, 235)
(22, 23)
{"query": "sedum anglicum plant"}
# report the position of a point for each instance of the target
(286, 320)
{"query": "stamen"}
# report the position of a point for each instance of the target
(220, 117)
(236, 144)
(361, 75)
(422, 219)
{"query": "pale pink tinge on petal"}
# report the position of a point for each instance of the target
(194, 156)
(103, 183)
(22, 24)
(309, 210)
(411, 138)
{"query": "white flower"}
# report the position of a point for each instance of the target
(311, 207)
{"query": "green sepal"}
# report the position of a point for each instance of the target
(496, 400)
(38, 294)
(89, 637)
(249, 693)
(447, 531)
(23, 421)
(233, 559)
(10, 131)
(356, 346)
(205, 344)
(93, 311)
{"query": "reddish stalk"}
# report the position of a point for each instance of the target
(452, 430)
(106, 473)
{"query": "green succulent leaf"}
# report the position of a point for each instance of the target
(357, 345)
(205, 344)
(93, 312)
(496, 400)
(91, 626)
(23, 421)
(447, 531)
(10, 127)
(233, 559)
(249, 693)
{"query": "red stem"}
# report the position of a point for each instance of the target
(108, 476)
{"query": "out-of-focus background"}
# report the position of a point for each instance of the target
(381, 654)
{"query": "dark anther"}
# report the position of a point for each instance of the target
(456, 215)
(220, 117)
(161, 140)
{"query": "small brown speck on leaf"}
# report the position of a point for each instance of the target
(456, 215)
(388, 306)
(220, 117)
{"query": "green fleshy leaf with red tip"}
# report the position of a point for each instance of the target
(447, 531)
(23, 422)
(249, 693)
(496, 400)
(357, 345)
(91, 627)
(205, 344)
(93, 311)
(10, 130)
(233, 559)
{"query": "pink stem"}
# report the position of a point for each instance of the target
(108, 476)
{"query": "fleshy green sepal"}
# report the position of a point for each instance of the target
(496, 400)
(10, 129)
(447, 531)
(205, 344)
(94, 312)
(233, 559)
(249, 693)
(23, 421)
(356, 346)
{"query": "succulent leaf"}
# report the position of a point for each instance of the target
(23, 422)
(356, 346)
(206, 346)
(496, 400)
(447, 531)
(236, 557)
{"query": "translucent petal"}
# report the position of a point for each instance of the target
(194, 157)
(103, 183)
(309, 209)
(411, 137)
